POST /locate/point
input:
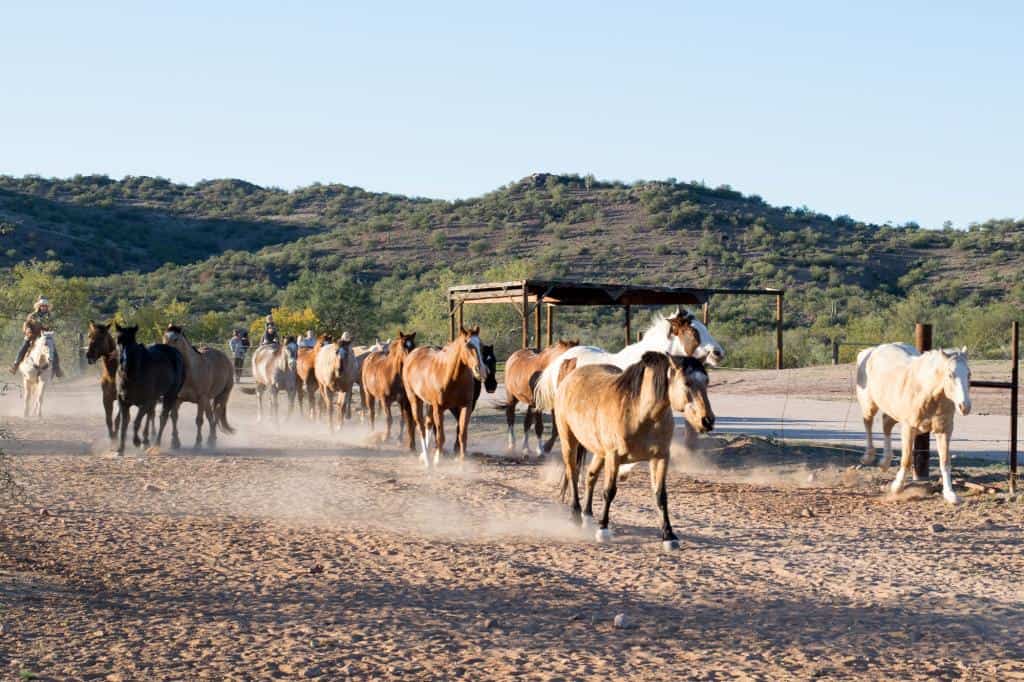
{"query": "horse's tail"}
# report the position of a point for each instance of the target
(220, 404)
(546, 386)
(581, 456)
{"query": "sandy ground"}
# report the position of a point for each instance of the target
(298, 554)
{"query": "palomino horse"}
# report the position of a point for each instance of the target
(145, 377)
(209, 378)
(103, 347)
(921, 391)
(37, 372)
(443, 379)
(273, 369)
(382, 381)
(522, 370)
(335, 375)
(626, 416)
(305, 371)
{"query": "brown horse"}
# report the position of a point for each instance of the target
(521, 372)
(382, 381)
(626, 416)
(444, 379)
(335, 371)
(103, 347)
(209, 378)
(305, 371)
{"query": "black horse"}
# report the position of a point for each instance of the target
(147, 376)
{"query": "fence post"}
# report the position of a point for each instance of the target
(551, 315)
(778, 331)
(922, 442)
(629, 332)
(835, 352)
(1014, 381)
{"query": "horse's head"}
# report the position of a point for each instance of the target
(100, 342)
(471, 352)
(691, 338)
(404, 343)
(126, 335)
(563, 345)
(491, 363)
(956, 379)
(345, 356)
(173, 333)
(688, 392)
(43, 350)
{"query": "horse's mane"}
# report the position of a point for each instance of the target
(631, 381)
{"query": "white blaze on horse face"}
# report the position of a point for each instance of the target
(478, 347)
(958, 383)
(709, 349)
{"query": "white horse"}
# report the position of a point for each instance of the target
(921, 391)
(37, 372)
(273, 369)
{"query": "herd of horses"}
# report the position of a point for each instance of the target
(618, 407)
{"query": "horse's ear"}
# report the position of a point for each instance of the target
(463, 331)
(118, 327)
(92, 325)
(963, 349)
(475, 331)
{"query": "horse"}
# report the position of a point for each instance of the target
(305, 371)
(209, 378)
(360, 353)
(626, 416)
(273, 369)
(335, 371)
(678, 334)
(522, 369)
(37, 372)
(921, 391)
(381, 380)
(103, 347)
(147, 376)
(444, 378)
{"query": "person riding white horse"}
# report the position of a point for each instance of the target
(37, 322)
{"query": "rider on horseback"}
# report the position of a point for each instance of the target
(37, 322)
(270, 335)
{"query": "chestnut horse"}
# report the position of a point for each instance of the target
(626, 416)
(521, 372)
(103, 347)
(209, 378)
(305, 371)
(444, 379)
(382, 381)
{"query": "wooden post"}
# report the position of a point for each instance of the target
(526, 318)
(778, 331)
(1014, 387)
(706, 312)
(922, 442)
(451, 319)
(629, 334)
(551, 317)
(835, 352)
(536, 323)
(459, 313)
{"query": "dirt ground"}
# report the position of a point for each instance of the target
(303, 555)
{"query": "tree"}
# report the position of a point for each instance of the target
(338, 302)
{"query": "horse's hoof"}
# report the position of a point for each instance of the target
(175, 444)
(950, 497)
(670, 545)
(603, 535)
(587, 522)
(896, 488)
(884, 464)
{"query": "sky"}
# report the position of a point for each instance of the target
(887, 112)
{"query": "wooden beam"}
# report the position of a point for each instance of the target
(451, 318)
(629, 333)
(551, 328)
(536, 323)
(526, 319)
(778, 331)
(1014, 392)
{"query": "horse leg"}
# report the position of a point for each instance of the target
(108, 409)
(371, 408)
(199, 423)
(527, 420)
(122, 416)
(139, 415)
(907, 434)
(417, 424)
(868, 411)
(464, 415)
(259, 402)
(887, 424)
(659, 471)
(554, 435)
(406, 423)
(538, 430)
(569, 459)
(611, 480)
(275, 405)
(175, 441)
(26, 388)
(593, 471)
(438, 433)
(510, 420)
(942, 444)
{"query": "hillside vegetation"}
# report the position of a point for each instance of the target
(227, 251)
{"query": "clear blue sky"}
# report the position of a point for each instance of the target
(884, 113)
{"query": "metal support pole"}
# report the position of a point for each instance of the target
(551, 329)
(778, 331)
(629, 334)
(526, 319)
(536, 323)
(922, 442)
(1014, 387)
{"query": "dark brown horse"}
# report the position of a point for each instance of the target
(103, 347)
(522, 370)
(444, 379)
(147, 376)
(382, 381)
